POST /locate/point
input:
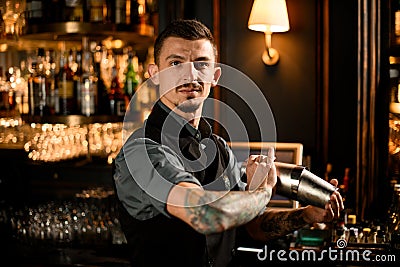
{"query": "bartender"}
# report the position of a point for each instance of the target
(182, 199)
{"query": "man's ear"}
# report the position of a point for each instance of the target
(217, 75)
(153, 71)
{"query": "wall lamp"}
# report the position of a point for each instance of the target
(269, 16)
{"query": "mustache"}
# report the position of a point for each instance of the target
(193, 84)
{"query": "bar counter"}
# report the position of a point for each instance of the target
(36, 256)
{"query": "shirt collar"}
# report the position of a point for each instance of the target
(204, 130)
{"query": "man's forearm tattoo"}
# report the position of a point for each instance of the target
(279, 223)
(212, 211)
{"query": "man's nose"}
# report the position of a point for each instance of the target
(191, 72)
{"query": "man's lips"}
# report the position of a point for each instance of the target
(190, 93)
(189, 90)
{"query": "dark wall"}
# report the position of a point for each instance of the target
(290, 86)
(188, 9)
(342, 150)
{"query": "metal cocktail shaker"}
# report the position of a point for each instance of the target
(297, 183)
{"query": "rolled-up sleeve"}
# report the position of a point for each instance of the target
(144, 175)
(235, 172)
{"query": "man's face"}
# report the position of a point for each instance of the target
(186, 72)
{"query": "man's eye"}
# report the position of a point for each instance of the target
(201, 64)
(175, 63)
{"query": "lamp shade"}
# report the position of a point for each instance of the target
(269, 16)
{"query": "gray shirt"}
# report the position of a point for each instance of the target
(147, 170)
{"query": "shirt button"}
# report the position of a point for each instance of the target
(233, 251)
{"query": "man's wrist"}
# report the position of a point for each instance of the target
(306, 216)
(267, 191)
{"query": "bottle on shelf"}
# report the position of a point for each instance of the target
(116, 95)
(136, 11)
(147, 94)
(52, 97)
(2, 26)
(37, 87)
(88, 81)
(73, 10)
(340, 231)
(65, 84)
(132, 81)
(353, 235)
(328, 172)
(394, 105)
(23, 93)
(102, 101)
(152, 11)
(109, 11)
(394, 85)
(346, 180)
(34, 11)
(146, 10)
(77, 70)
(120, 12)
(396, 9)
(94, 11)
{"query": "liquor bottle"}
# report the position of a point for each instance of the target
(24, 96)
(328, 172)
(394, 106)
(116, 95)
(143, 11)
(152, 10)
(77, 70)
(102, 100)
(73, 10)
(394, 80)
(109, 11)
(2, 26)
(352, 235)
(346, 180)
(65, 87)
(37, 88)
(52, 97)
(88, 81)
(396, 8)
(34, 11)
(94, 8)
(131, 84)
(120, 12)
(137, 10)
(131, 78)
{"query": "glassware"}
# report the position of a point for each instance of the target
(13, 17)
(88, 219)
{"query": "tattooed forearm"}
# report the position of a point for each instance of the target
(276, 223)
(279, 223)
(212, 212)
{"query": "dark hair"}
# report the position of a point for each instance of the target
(187, 29)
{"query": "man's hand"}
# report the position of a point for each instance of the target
(261, 171)
(332, 209)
